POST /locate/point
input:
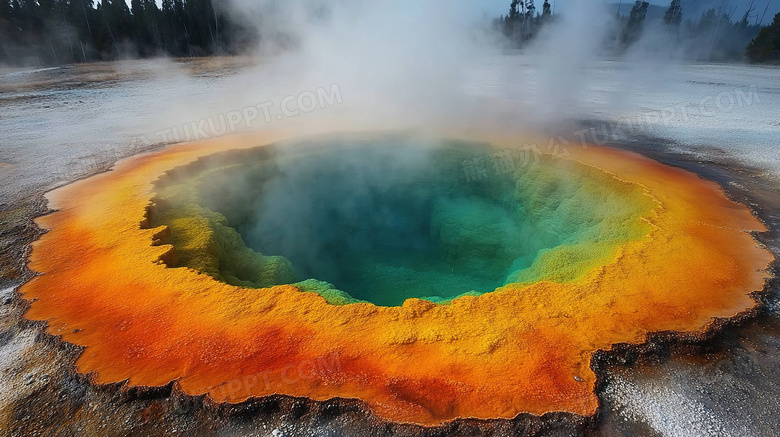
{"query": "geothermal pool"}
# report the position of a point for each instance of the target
(388, 219)
(500, 316)
(42, 150)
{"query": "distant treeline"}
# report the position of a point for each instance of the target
(47, 32)
(766, 46)
(716, 35)
(40, 32)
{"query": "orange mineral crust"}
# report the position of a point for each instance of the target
(518, 349)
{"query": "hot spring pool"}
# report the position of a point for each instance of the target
(390, 218)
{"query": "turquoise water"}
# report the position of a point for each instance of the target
(388, 219)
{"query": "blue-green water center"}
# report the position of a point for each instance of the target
(390, 218)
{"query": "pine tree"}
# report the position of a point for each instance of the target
(673, 15)
(513, 11)
(63, 31)
(530, 10)
(635, 23)
(766, 46)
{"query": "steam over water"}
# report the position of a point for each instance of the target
(389, 218)
(57, 123)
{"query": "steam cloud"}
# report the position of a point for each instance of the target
(404, 64)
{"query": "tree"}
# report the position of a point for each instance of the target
(511, 22)
(546, 11)
(765, 47)
(529, 20)
(63, 31)
(523, 22)
(635, 23)
(673, 15)
(530, 10)
(513, 10)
